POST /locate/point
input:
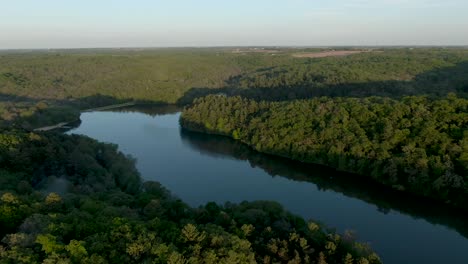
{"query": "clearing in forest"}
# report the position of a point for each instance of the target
(330, 53)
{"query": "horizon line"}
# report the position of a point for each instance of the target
(248, 46)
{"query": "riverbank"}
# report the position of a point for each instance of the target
(47, 128)
(102, 108)
(199, 168)
(109, 107)
(105, 191)
(405, 145)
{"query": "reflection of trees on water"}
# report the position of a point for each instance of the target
(329, 179)
(150, 109)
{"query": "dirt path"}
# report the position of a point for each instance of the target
(47, 128)
(62, 124)
(109, 107)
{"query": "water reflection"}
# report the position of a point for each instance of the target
(201, 168)
(324, 178)
(150, 109)
(329, 179)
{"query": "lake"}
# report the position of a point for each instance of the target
(200, 168)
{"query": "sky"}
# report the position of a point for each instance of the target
(26, 24)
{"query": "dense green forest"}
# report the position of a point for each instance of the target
(158, 76)
(415, 144)
(180, 75)
(70, 199)
(30, 115)
(393, 73)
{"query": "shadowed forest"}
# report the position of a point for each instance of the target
(180, 75)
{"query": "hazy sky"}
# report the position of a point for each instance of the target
(145, 23)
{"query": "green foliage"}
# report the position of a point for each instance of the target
(392, 73)
(105, 214)
(49, 244)
(180, 75)
(414, 144)
(30, 115)
(160, 75)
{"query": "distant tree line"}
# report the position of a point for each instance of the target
(157, 76)
(179, 76)
(393, 73)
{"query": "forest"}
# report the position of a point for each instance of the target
(415, 144)
(397, 116)
(180, 75)
(390, 74)
(71, 199)
(30, 115)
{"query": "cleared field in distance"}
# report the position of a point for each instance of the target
(332, 53)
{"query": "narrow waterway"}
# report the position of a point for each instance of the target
(201, 168)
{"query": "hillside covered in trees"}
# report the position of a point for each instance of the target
(180, 75)
(160, 75)
(391, 73)
(415, 144)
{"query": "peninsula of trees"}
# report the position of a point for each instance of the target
(414, 144)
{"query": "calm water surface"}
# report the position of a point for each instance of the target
(201, 168)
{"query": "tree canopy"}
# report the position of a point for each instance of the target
(70, 199)
(414, 144)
